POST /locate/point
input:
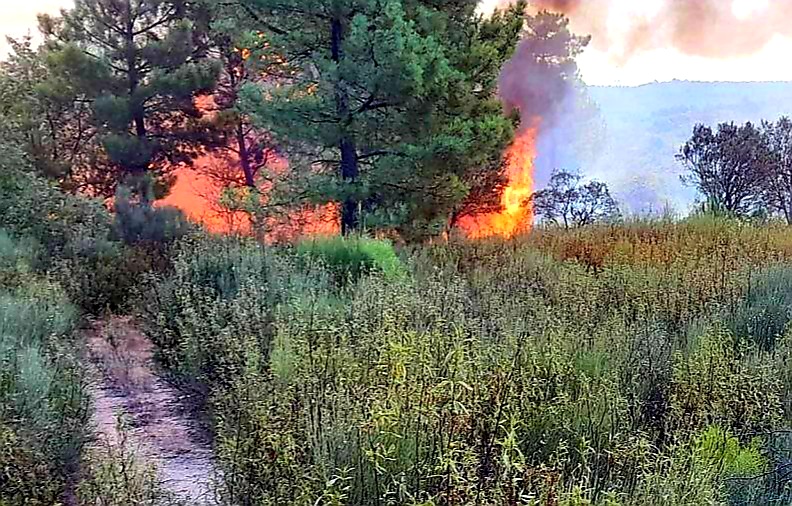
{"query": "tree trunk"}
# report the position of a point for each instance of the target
(244, 156)
(137, 170)
(347, 146)
(138, 115)
(349, 173)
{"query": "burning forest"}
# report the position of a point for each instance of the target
(535, 83)
(367, 252)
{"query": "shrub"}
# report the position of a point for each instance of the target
(351, 257)
(139, 222)
(213, 309)
(26, 476)
(590, 367)
(722, 382)
(766, 309)
(21, 255)
(107, 277)
(19, 258)
(31, 207)
(721, 450)
(42, 395)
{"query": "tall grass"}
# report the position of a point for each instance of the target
(43, 405)
(599, 366)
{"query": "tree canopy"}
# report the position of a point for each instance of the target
(140, 65)
(569, 203)
(390, 106)
(726, 165)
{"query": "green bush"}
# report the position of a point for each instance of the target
(107, 278)
(43, 402)
(214, 309)
(138, 222)
(765, 311)
(351, 257)
(61, 223)
(594, 367)
(26, 476)
(20, 255)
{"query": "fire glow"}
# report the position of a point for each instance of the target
(516, 215)
(198, 196)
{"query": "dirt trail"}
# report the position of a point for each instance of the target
(159, 428)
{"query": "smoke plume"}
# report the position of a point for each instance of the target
(541, 82)
(708, 28)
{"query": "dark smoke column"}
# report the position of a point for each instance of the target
(543, 72)
(541, 81)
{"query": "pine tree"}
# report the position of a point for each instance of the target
(467, 174)
(51, 123)
(383, 103)
(140, 64)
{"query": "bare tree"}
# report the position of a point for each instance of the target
(726, 166)
(569, 203)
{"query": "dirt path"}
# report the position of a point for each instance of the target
(159, 428)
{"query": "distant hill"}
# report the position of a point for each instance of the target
(645, 127)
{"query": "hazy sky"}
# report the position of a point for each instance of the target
(17, 17)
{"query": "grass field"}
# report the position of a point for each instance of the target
(645, 363)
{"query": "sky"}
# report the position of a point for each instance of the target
(598, 66)
(18, 17)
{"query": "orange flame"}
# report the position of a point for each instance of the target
(198, 191)
(198, 196)
(516, 215)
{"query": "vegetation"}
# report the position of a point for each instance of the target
(392, 104)
(138, 66)
(568, 203)
(603, 366)
(726, 166)
(597, 360)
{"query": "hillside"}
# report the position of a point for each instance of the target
(646, 125)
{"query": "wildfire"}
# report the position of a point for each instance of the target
(516, 215)
(199, 195)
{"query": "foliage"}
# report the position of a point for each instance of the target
(776, 184)
(137, 222)
(351, 257)
(726, 166)
(26, 477)
(71, 236)
(763, 315)
(569, 203)
(43, 403)
(242, 145)
(140, 66)
(722, 450)
(18, 258)
(30, 206)
(388, 108)
(589, 366)
(218, 287)
(52, 122)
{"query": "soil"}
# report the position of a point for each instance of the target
(159, 426)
